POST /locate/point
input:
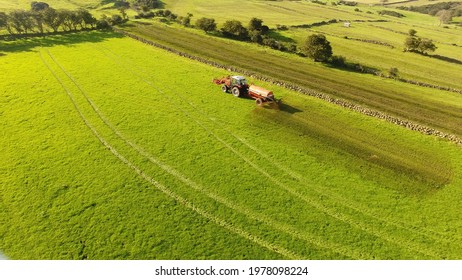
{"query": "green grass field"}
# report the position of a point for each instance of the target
(61, 4)
(140, 156)
(113, 149)
(439, 109)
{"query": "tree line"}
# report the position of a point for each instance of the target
(255, 31)
(42, 18)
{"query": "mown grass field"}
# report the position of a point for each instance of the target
(436, 108)
(140, 156)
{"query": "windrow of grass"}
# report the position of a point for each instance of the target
(141, 156)
(434, 108)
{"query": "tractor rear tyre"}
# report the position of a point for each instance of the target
(224, 88)
(259, 101)
(236, 92)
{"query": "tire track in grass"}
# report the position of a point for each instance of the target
(229, 226)
(320, 207)
(400, 242)
(292, 231)
(436, 236)
(291, 173)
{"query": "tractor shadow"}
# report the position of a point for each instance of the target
(288, 108)
(277, 106)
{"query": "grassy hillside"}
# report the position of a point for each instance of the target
(438, 109)
(58, 4)
(113, 149)
(141, 156)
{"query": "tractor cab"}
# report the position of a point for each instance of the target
(238, 81)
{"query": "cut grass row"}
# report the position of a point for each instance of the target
(162, 109)
(437, 109)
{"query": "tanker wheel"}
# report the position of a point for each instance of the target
(224, 88)
(236, 92)
(259, 101)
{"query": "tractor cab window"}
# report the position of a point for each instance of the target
(241, 82)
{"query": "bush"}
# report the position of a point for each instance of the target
(148, 4)
(116, 19)
(121, 4)
(145, 15)
(272, 43)
(185, 21)
(234, 29)
(102, 24)
(393, 72)
(347, 3)
(318, 2)
(255, 36)
(390, 13)
(206, 24)
(338, 61)
(292, 48)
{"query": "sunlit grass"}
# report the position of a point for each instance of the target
(316, 180)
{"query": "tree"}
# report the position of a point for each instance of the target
(317, 47)
(234, 28)
(116, 19)
(76, 19)
(38, 6)
(39, 20)
(87, 17)
(52, 19)
(121, 4)
(426, 45)
(3, 19)
(21, 21)
(256, 28)
(66, 19)
(206, 24)
(411, 43)
(186, 21)
(255, 36)
(255, 24)
(150, 4)
(123, 12)
(445, 16)
(414, 43)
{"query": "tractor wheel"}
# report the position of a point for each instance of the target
(236, 92)
(259, 101)
(224, 88)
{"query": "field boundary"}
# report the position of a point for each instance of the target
(342, 103)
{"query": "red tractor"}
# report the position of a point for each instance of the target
(238, 86)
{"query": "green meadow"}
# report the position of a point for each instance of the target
(113, 149)
(435, 108)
